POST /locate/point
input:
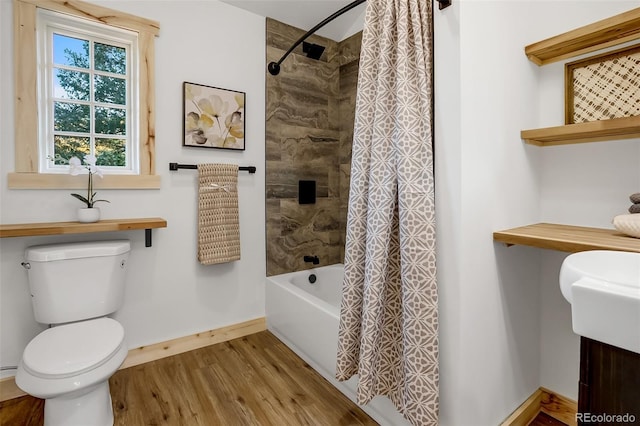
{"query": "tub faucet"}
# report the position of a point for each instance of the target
(312, 259)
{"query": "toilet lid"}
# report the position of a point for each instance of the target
(72, 349)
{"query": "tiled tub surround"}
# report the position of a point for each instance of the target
(310, 108)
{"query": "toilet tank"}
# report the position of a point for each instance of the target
(76, 281)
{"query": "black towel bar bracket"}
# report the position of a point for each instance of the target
(176, 166)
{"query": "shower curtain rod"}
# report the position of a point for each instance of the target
(274, 67)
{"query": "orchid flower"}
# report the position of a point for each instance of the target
(76, 167)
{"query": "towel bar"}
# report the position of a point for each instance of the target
(176, 166)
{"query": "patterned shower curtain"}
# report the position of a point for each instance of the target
(389, 315)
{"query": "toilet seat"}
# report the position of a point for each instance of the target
(72, 349)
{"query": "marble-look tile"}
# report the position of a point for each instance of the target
(282, 36)
(345, 180)
(282, 179)
(305, 145)
(347, 119)
(273, 219)
(334, 182)
(335, 119)
(286, 254)
(296, 108)
(349, 78)
(349, 49)
(320, 217)
(272, 143)
(310, 110)
(346, 145)
(302, 72)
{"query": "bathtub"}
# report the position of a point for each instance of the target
(304, 316)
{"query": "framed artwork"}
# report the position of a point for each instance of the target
(603, 87)
(213, 117)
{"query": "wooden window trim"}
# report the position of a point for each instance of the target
(26, 175)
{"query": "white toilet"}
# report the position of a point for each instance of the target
(73, 287)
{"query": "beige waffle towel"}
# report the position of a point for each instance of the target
(218, 223)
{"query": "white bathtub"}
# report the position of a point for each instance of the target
(305, 317)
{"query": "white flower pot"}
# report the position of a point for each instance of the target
(88, 215)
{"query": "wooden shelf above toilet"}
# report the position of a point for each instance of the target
(63, 228)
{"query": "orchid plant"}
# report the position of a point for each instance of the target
(76, 167)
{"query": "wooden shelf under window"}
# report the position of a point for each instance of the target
(63, 228)
(567, 238)
(598, 35)
(592, 131)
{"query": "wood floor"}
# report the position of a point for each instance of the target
(254, 380)
(543, 419)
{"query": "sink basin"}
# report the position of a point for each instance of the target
(603, 288)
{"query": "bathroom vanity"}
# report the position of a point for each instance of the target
(609, 381)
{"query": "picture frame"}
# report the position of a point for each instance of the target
(603, 87)
(213, 117)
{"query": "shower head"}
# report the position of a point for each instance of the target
(313, 51)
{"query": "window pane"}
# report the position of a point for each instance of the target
(68, 117)
(111, 152)
(110, 90)
(111, 121)
(70, 146)
(69, 84)
(110, 58)
(70, 51)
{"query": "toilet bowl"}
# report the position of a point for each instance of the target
(69, 366)
(74, 287)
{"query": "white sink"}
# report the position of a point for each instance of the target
(603, 288)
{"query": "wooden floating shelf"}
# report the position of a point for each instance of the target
(592, 131)
(568, 238)
(63, 228)
(598, 35)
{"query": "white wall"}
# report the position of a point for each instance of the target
(486, 180)
(584, 184)
(505, 328)
(169, 294)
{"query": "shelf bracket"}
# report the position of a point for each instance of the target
(443, 4)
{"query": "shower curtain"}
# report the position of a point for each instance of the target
(389, 314)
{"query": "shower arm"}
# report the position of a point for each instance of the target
(274, 67)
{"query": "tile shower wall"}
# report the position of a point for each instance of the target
(309, 127)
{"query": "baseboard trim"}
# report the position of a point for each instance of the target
(141, 355)
(559, 407)
(544, 400)
(526, 412)
(177, 346)
(9, 389)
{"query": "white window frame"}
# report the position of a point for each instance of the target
(27, 173)
(50, 22)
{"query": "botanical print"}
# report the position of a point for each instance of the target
(213, 117)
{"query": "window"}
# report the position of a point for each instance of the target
(88, 72)
(87, 89)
